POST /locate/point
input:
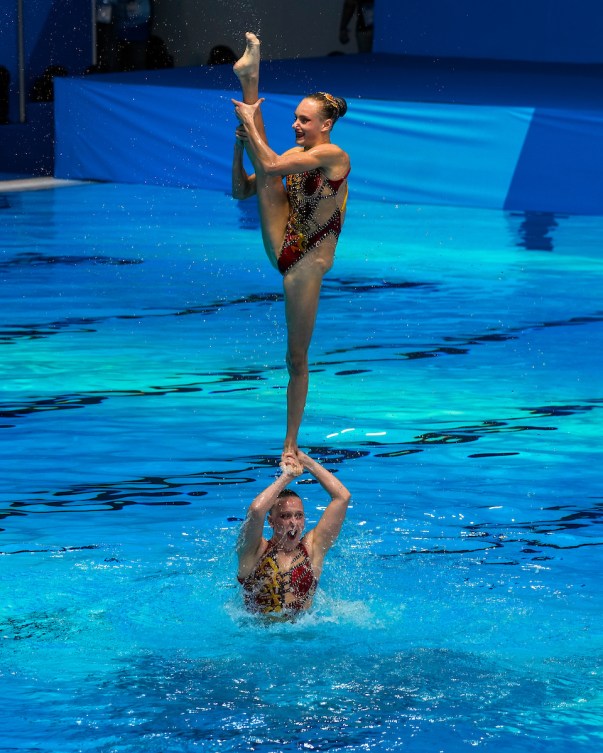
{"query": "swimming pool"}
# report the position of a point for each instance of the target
(456, 390)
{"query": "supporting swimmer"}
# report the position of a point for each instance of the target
(280, 575)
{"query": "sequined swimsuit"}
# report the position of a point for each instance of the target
(317, 206)
(269, 590)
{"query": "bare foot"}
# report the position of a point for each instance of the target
(248, 65)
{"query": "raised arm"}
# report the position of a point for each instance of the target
(326, 155)
(328, 527)
(251, 538)
(243, 185)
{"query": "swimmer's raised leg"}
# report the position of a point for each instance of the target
(273, 202)
(247, 70)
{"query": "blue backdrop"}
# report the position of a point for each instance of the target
(176, 128)
(537, 30)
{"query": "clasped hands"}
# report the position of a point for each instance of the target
(294, 464)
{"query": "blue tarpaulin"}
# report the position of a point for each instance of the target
(177, 129)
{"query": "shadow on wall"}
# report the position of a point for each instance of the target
(43, 87)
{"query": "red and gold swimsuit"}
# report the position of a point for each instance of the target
(268, 589)
(317, 205)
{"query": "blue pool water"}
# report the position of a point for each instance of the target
(455, 388)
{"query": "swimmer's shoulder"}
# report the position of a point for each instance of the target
(339, 167)
(249, 560)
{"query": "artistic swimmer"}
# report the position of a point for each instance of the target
(280, 575)
(301, 220)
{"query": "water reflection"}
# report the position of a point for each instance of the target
(536, 229)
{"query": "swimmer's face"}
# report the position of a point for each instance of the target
(288, 520)
(309, 125)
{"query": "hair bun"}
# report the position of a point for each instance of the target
(342, 106)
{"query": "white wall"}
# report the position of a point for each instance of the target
(290, 29)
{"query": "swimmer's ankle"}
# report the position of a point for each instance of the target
(290, 445)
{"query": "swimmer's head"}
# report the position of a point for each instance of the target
(331, 108)
(287, 519)
(285, 494)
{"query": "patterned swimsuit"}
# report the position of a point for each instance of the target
(269, 590)
(317, 206)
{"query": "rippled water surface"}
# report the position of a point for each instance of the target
(456, 389)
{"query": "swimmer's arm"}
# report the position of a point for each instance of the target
(293, 160)
(329, 525)
(243, 185)
(325, 156)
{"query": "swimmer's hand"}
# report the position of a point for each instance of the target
(245, 113)
(241, 133)
(290, 465)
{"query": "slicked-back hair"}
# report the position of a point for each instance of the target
(330, 106)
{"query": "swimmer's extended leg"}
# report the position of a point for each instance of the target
(302, 290)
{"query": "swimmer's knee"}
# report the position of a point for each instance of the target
(318, 264)
(297, 362)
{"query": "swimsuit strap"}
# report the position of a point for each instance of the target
(345, 200)
(336, 184)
